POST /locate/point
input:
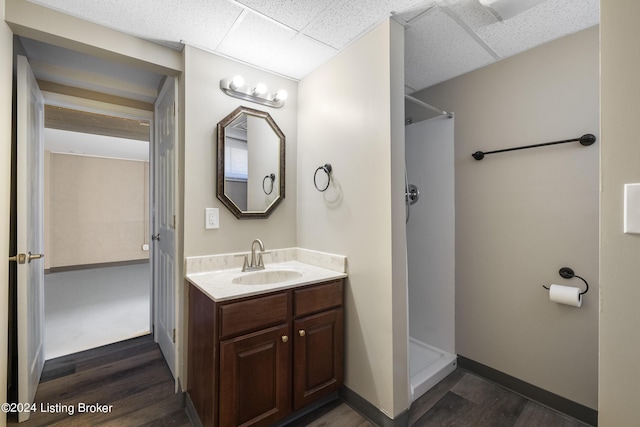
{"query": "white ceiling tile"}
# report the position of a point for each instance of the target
(342, 22)
(293, 13)
(472, 13)
(300, 56)
(345, 20)
(437, 48)
(255, 40)
(409, 13)
(541, 24)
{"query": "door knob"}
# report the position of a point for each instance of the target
(19, 258)
(31, 256)
(24, 258)
(285, 338)
(301, 332)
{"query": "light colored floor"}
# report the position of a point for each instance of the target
(89, 308)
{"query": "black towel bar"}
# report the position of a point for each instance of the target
(586, 140)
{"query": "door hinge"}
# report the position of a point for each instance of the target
(173, 224)
(174, 110)
(174, 335)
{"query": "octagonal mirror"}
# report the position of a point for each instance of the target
(251, 163)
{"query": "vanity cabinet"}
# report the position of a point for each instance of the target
(253, 361)
(318, 343)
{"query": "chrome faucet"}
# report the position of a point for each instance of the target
(257, 262)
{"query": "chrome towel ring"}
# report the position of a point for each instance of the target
(272, 177)
(327, 169)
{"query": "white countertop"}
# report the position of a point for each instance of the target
(218, 285)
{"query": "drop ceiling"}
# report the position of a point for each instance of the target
(444, 38)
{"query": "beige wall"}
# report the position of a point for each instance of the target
(6, 70)
(619, 266)
(520, 216)
(205, 106)
(97, 210)
(346, 119)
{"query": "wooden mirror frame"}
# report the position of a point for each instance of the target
(228, 202)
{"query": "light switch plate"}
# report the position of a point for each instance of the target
(211, 218)
(632, 208)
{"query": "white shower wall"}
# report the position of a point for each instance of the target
(431, 233)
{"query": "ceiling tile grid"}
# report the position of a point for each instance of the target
(255, 39)
(444, 38)
(437, 48)
(296, 14)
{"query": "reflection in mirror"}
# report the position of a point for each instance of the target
(251, 169)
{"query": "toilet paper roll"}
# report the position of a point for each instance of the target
(568, 295)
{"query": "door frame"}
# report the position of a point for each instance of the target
(83, 104)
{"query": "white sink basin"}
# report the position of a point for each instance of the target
(266, 277)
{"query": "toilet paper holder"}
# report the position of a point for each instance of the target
(567, 273)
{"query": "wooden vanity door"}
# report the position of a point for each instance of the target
(255, 383)
(318, 356)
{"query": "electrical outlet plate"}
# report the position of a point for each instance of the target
(632, 208)
(211, 218)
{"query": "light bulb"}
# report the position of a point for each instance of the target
(260, 89)
(236, 83)
(281, 95)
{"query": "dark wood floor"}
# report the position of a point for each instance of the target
(463, 400)
(131, 376)
(134, 379)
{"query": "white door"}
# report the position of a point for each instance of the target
(164, 234)
(30, 236)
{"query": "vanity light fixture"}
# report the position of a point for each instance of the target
(259, 94)
(260, 89)
(236, 82)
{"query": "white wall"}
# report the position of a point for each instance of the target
(431, 233)
(619, 266)
(6, 72)
(522, 215)
(346, 119)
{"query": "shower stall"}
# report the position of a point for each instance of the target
(430, 251)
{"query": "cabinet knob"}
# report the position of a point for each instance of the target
(301, 332)
(285, 338)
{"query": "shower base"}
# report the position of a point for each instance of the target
(427, 367)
